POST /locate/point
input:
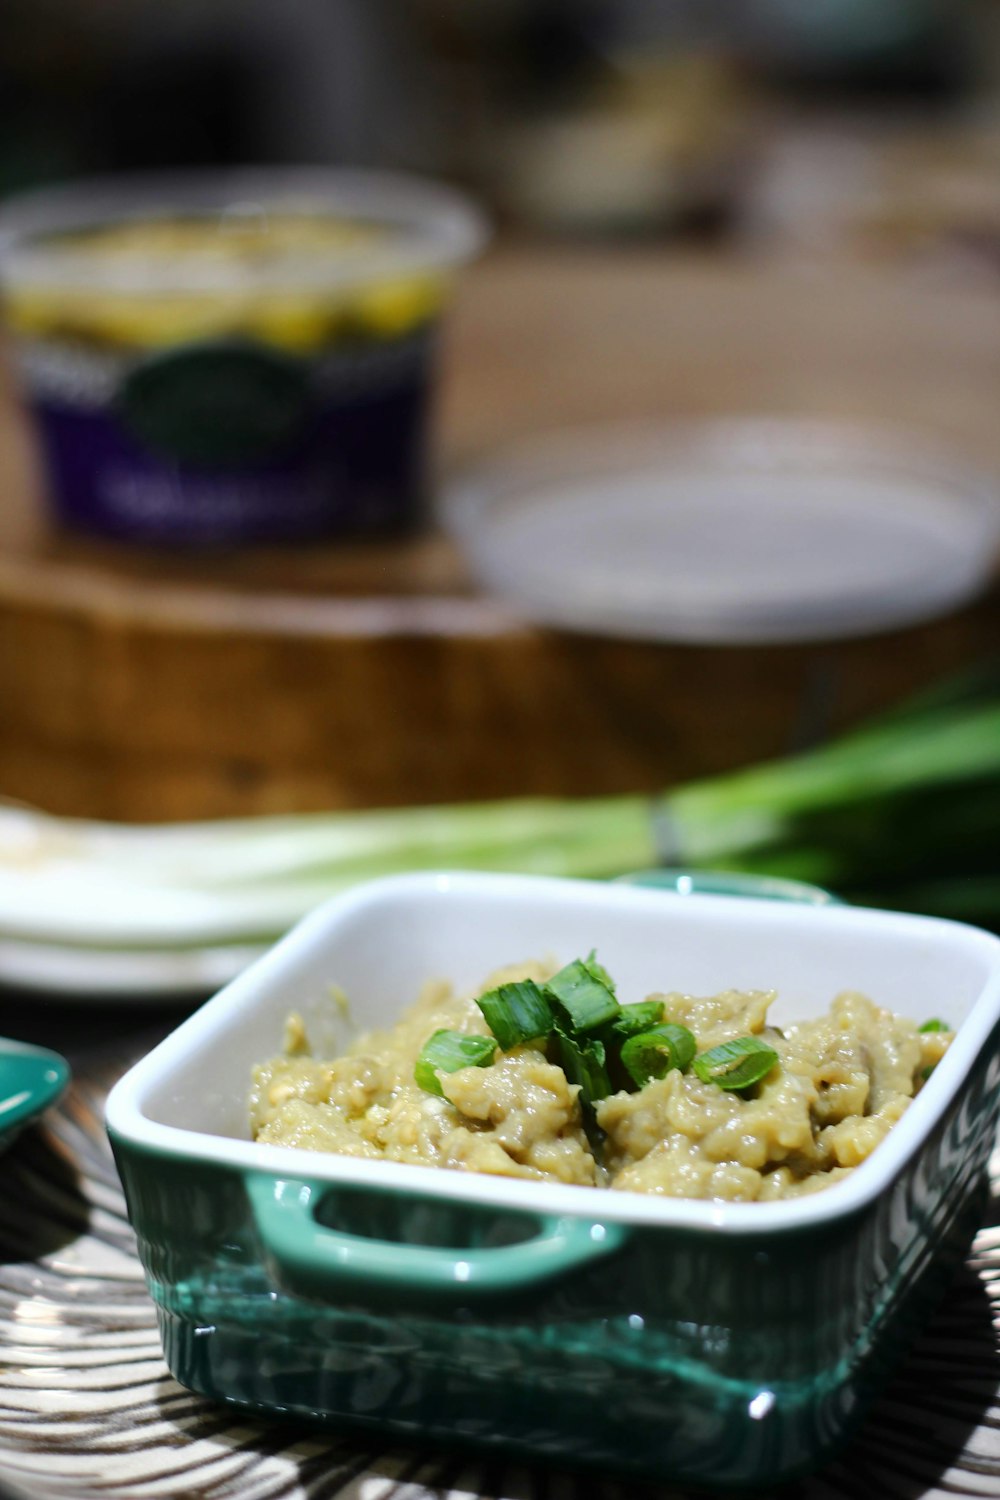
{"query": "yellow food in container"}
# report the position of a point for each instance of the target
(235, 357)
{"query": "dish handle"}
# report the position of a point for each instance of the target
(315, 1260)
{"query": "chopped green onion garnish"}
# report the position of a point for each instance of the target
(652, 1054)
(583, 1062)
(633, 1019)
(517, 1013)
(736, 1064)
(935, 1026)
(600, 972)
(584, 993)
(446, 1052)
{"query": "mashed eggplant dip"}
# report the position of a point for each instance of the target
(545, 1074)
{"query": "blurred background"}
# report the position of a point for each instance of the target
(697, 210)
(838, 127)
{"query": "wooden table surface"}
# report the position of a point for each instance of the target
(143, 685)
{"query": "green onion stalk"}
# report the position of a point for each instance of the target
(903, 811)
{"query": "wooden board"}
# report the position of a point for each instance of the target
(143, 686)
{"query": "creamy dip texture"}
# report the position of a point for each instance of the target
(839, 1085)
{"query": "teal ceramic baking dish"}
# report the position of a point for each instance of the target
(725, 1344)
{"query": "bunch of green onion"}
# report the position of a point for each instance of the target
(903, 811)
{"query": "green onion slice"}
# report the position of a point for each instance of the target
(517, 1013)
(599, 971)
(584, 1062)
(736, 1064)
(935, 1026)
(633, 1019)
(446, 1052)
(584, 993)
(652, 1054)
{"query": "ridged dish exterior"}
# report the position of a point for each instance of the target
(688, 1355)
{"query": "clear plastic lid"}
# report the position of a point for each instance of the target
(740, 530)
(389, 225)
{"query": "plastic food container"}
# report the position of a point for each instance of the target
(231, 357)
(726, 1344)
(730, 530)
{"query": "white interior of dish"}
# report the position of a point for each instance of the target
(381, 940)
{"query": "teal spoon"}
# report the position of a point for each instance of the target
(31, 1078)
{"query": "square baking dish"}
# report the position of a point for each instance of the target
(725, 1344)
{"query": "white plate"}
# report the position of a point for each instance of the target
(115, 911)
(737, 530)
(81, 974)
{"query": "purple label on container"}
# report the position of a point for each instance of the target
(227, 442)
